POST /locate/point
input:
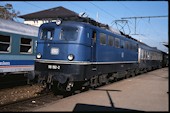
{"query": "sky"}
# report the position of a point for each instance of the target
(153, 31)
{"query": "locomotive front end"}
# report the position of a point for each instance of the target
(60, 55)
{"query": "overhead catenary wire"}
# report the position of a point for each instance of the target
(136, 14)
(153, 29)
(102, 10)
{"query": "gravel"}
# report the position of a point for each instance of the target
(19, 93)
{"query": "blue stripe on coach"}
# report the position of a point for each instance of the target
(16, 62)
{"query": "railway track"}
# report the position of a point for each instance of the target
(26, 104)
(32, 96)
(43, 98)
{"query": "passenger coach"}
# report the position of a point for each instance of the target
(17, 47)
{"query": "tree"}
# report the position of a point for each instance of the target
(8, 13)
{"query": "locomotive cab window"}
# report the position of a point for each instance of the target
(26, 46)
(69, 33)
(5, 44)
(47, 34)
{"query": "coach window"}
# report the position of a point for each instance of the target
(145, 54)
(5, 44)
(110, 40)
(141, 54)
(153, 55)
(150, 55)
(102, 39)
(26, 45)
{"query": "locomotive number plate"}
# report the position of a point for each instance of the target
(54, 67)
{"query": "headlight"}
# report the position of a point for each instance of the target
(70, 57)
(58, 21)
(38, 55)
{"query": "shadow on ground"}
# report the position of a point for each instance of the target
(89, 107)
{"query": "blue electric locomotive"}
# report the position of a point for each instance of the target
(17, 47)
(73, 54)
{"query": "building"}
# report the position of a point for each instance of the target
(38, 18)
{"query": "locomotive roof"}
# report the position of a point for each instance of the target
(100, 25)
(18, 28)
(77, 23)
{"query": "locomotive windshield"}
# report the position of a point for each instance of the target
(47, 34)
(68, 33)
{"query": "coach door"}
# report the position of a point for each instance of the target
(93, 47)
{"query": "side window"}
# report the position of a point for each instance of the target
(117, 42)
(141, 54)
(110, 40)
(122, 44)
(26, 45)
(135, 47)
(5, 44)
(150, 55)
(131, 46)
(145, 54)
(102, 39)
(126, 44)
(153, 57)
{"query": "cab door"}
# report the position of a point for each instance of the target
(93, 45)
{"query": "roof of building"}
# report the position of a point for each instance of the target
(53, 13)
